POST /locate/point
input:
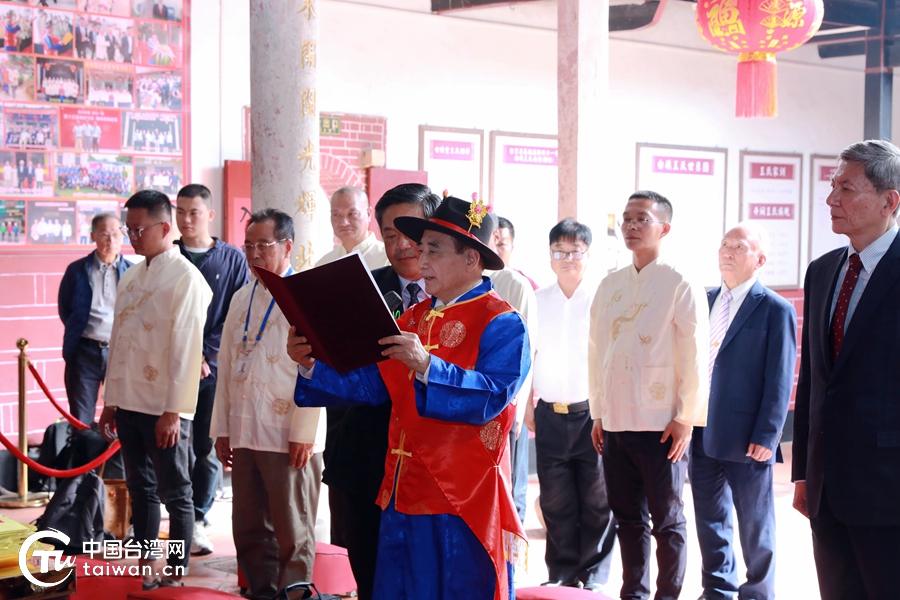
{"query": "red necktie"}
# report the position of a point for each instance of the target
(843, 302)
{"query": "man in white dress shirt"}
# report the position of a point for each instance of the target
(267, 441)
(649, 386)
(350, 217)
(581, 532)
(153, 375)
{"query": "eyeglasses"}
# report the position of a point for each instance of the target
(135, 234)
(260, 248)
(577, 255)
(639, 223)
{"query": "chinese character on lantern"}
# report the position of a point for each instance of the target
(756, 30)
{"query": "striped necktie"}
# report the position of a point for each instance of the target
(717, 332)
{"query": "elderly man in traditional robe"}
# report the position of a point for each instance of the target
(449, 527)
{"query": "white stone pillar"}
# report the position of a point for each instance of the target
(582, 89)
(284, 117)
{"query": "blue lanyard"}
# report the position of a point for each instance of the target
(265, 320)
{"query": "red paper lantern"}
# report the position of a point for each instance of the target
(756, 30)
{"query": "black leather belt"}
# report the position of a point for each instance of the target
(100, 343)
(561, 408)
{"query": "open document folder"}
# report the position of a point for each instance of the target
(338, 308)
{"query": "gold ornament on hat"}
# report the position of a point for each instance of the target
(478, 210)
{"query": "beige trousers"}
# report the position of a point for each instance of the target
(274, 518)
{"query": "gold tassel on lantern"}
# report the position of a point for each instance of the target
(757, 89)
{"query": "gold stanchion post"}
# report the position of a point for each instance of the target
(23, 498)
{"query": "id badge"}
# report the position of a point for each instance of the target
(242, 364)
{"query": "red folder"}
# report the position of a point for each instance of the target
(338, 308)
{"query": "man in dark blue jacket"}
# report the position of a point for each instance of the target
(225, 269)
(753, 351)
(87, 297)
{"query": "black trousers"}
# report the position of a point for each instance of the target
(83, 376)
(854, 562)
(643, 484)
(581, 531)
(360, 521)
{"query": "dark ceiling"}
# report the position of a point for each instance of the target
(880, 19)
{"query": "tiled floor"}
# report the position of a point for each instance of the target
(795, 574)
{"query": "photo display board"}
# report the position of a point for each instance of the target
(525, 190)
(453, 159)
(821, 237)
(771, 186)
(693, 179)
(94, 97)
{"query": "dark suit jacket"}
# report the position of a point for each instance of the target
(356, 460)
(75, 298)
(753, 377)
(847, 413)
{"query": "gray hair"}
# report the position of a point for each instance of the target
(757, 233)
(99, 218)
(881, 161)
(354, 192)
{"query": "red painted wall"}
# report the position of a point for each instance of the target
(29, 286)
(795, 297)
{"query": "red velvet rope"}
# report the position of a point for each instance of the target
(113, 448)
(75, 422)
(43, 470)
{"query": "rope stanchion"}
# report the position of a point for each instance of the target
(44, 470)
(74, 421)
(24, 497)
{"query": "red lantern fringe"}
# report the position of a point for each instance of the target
(757, 89)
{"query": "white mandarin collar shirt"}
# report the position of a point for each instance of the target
(156, 346)
(371, 250)
(259, 413)
(648, 350)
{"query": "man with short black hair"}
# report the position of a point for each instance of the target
(360, 441)
(581, 532)
(513, 287)
(225, 270)
(155, 353)
(87, 298)
(505, 236)
(649, 386)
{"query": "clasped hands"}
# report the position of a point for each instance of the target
(406, 347)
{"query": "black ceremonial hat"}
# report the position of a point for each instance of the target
(468, 222)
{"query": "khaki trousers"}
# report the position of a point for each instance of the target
(274, 518)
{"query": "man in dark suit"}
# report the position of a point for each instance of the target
(160, 11)
(753, 352)
(126, 45)
(80, 39)
(846, 464)
(356, 461)
(111, 43)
